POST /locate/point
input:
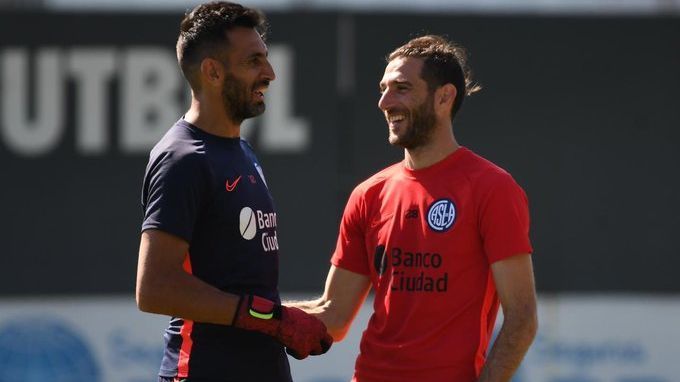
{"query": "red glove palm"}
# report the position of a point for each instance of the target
(302, 334)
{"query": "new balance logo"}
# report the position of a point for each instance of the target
(412, 213)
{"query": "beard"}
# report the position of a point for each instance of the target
(421, 128)
(236, 99)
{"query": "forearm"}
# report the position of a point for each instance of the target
(512, 343)
(336, 323)
(343, 295)
(183, 295)
(165, 287)
(309, 306)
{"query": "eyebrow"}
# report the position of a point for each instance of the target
(259, 54)
(382, 85)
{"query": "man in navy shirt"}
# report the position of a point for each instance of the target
(209, 250)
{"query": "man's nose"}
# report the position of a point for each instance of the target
(385, 100)
(269, 72)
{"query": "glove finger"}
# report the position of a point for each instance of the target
(326, 343)
(323, 346)
(318, 350)
(295, 354)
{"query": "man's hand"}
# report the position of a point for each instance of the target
(302, 334)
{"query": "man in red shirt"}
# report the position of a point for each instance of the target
(442, 237)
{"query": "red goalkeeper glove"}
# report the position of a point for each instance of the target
(301, 333)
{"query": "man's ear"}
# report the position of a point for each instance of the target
(212, 71)
(446, 94)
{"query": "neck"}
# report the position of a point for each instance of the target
(441, 144)
(210, 116)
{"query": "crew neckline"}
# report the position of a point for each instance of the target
(435, 167)
(188, 125)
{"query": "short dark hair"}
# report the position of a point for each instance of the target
(443, 62)
(203, 32)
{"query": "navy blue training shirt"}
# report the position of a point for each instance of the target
(211, 192)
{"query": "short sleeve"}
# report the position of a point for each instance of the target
(173, 191)
(350, 249)
(504, 219)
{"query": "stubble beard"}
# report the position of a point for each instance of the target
(235, 100)
(421, 128)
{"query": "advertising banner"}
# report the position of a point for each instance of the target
(606, 338)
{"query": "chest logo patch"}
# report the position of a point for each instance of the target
(247, 223)
(441, 215)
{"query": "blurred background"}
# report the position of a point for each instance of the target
(578, 104)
